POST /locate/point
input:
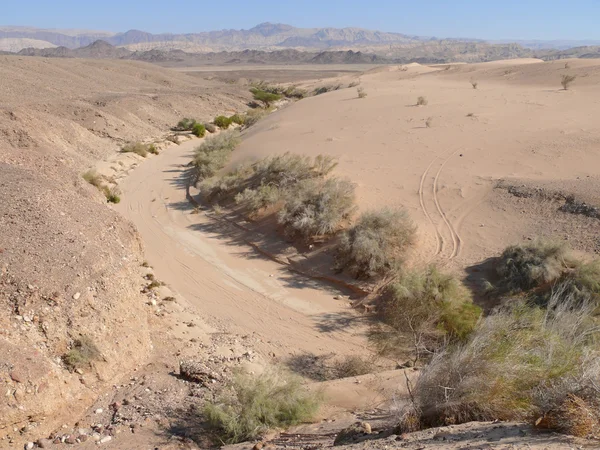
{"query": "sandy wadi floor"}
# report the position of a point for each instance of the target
(519, 125)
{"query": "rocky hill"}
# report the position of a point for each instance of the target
(69, 264)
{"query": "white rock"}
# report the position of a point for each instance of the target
(99, 411)
(76, 295)
(105, 439)
(29, 445)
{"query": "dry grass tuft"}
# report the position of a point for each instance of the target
(522, 362)
(422, 101)
(82, 353)
(253, 404)
(567, 80)
(361, 92)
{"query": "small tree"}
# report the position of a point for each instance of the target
(567, 80)
(265, 97)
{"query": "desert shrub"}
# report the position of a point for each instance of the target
(354, 84)
(533, 265)
(199, 130)
(236, 118)
(136, 147)
(294, 92)
(429, 122)
(352, 366)
(279, 172)
(260, 198)
(112, 194)
(93, 177)
(567, 80)
(426, 309)
(361, 92)
(265, 97)
(82, 353)
(422, 101)
(325, 89)
(222, 122)
(317, 208)
(376, 243)
(255, 115)
(185, 124)
(567, 65)
(212, 155)
(521, 363)
(210, 128)
(251, 405)
(474, 84)
(471, 115)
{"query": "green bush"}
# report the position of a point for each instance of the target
(426, 309)
(521, 363)
(186, 124)
(82, 353)
(223, 122)
(199, 130)
(212, 155)
(317, 208)
(252, 405)
(376, 244)
(236, 118)
(265, 97)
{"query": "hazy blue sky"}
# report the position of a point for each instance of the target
(524, 19)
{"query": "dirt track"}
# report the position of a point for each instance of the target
(226, 281)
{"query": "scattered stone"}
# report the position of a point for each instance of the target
(105, 439)
(44, 443)
(76, 295)
(258, 446)
(198, 372)
(71, 439)
(29, 445)
(99, 411)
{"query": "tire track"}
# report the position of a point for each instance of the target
(454, 237)
(456, 240)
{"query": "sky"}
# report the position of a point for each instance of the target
(485, 19)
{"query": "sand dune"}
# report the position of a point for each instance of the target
(518, 124)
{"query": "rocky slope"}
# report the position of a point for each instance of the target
(68, 262)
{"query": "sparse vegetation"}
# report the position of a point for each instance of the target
(522, 363)
(153, 149)
(361, 92)
(429, 122)
(325, 89)
(213, 154)
(354, 84)
(352, 366)
(255, 115)
(223, 122)
(198, 130)
(567, 80)
(376, 244)
(426, 309)
(136, 147)
(422, 101)
(471, 115)
(92, 177)
(83, 352)
(185, 124)
(567, 65)
(251, 405)
(210, 128)
(474, 83)
(268, 98)
(237, 119)
(112, 194)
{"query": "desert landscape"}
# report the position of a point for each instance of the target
(362, 240)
